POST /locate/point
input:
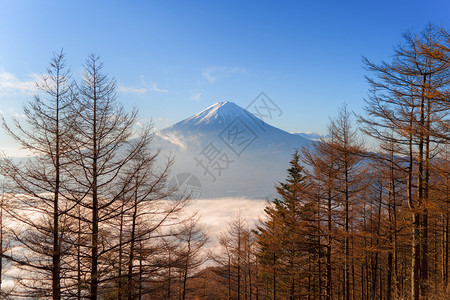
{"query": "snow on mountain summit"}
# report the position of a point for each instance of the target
(213, 121)
(217, 115)
(221, 112)
(231, 151)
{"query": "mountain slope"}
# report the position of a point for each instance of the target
(212, 118)
(231, 151)
(221, 117)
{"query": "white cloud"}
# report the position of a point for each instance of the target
(196, 96)
(309, 135)
(12, 151)
(12, 113)
(209, 76)
(10, 83)
(131, 90)
(162, 122)
(172, 138)
(217, 213)
(212, 73)
(158, 90)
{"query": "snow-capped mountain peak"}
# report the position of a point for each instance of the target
(217, 115)
(231, 151)
(219, 110)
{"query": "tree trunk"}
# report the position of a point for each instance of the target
(130, 286)
(346, 239)
(274, 278)
(120, 283)
(95, 205)
(56, 256)
(79, 243)
(329, 269)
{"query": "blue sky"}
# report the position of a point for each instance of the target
(172, 59)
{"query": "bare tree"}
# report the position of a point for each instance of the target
(350, 181)
(100, 152)
(235, 259)
(322, 160)
(147, 216)
(37, 183)
(407, 97)
(192, 238)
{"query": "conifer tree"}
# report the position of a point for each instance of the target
(283, 238)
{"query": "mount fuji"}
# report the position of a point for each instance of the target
(230, 151)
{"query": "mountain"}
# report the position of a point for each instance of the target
(212, 118)
(231, 151)
(223, 116)
(309, 135)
